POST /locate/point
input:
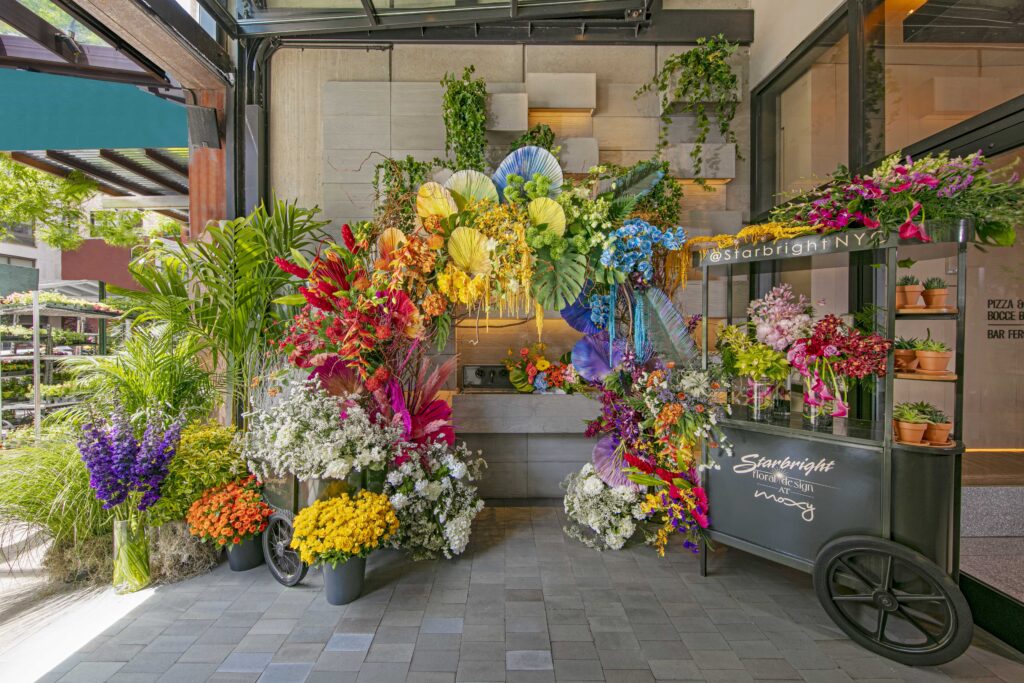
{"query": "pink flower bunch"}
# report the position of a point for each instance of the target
(832, 354)
(780, 317)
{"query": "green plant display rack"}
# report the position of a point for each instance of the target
(876, 522)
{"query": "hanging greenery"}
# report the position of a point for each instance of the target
(395, 182)
(539, 135)
(699, 82)
(464, 107)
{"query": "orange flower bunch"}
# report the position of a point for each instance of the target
(230, 513)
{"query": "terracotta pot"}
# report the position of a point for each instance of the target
(906, 359)
(901, 298)
(910, 432)
(938, 433)
(933, 361)
(911, 294)
(935, 298)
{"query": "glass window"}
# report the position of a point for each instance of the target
(803, 119)
(18, 261)
(932, 64)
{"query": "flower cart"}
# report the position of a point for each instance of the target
(876, 521)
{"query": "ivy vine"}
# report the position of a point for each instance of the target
(700, 82)
(539, 135)
(395, 182)
(464, 107)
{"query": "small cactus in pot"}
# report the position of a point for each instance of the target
(935, 293)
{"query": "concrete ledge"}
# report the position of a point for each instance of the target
(718, 160)
(507, 111)
(562, 90)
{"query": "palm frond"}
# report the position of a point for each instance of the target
(667, 329)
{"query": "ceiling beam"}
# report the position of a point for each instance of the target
(168, 162)
(137, 201)
(96, 173)
(138, 169)
(32, 26)
(101, 62)
(61, 172)
(371, 12)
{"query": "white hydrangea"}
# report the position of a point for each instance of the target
(601, 516)
(435, 500)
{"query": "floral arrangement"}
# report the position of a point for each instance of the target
(530, 371)
(780, 317)
(126, 472)
(747, 357)
(230, 513)
(654, 417)
(629, 249)
(435, 500)
(335, 530)
(602, 517)
(46, 298)
(902, 192)
(833, 355)
(313, 434)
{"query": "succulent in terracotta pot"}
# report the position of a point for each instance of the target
(939, 425)
(935, 292)
(908, 291)
(933, 355)
(905, 353)
(909, 422)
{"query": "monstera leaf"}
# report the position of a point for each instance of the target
(520, 380)
(556, 284)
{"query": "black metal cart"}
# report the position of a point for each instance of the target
(875, 522)
(287, 495)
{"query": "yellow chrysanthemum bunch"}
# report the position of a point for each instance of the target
(337, 529)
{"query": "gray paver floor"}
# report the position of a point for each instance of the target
(523, 604)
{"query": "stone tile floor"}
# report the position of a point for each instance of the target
(523, 604)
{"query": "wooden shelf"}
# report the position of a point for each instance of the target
(948, 377)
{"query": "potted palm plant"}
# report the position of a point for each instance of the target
(905, 353)
(908, 291)
(935, 292)
(909, 423)
(932, 356)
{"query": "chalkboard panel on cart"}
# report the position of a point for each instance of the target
(792, 495)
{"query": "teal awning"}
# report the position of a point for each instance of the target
(42, 111)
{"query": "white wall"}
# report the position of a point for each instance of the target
(47, 259)
(779, 27)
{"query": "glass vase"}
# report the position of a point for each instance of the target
(761, 399)
(131, 556)
(820, 416)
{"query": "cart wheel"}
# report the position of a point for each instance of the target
(284, 563)
(893, 600)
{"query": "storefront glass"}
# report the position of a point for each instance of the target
(931, 64)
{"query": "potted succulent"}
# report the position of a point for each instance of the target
(932, 356)
(935, 292)
(939, 425)
(905, 352)
(338, 533)
(233, 516)
(908, 291)
(909, 422)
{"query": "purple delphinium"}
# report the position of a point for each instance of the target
(121, 465)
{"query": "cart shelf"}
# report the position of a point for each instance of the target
(859, 432)
(917, 377)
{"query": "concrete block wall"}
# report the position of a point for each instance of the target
(328, 110)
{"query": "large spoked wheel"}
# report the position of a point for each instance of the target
(893, 601)
(284, 563)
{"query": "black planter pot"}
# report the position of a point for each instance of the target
(344, 583)
(246, 555)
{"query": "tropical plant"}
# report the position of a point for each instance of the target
(935, 283)
(207, 457)
(908, 281)
(153, 368)
(52, 204)
(464, 109)
(909, 412)
(223, 290)
(701, 82)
